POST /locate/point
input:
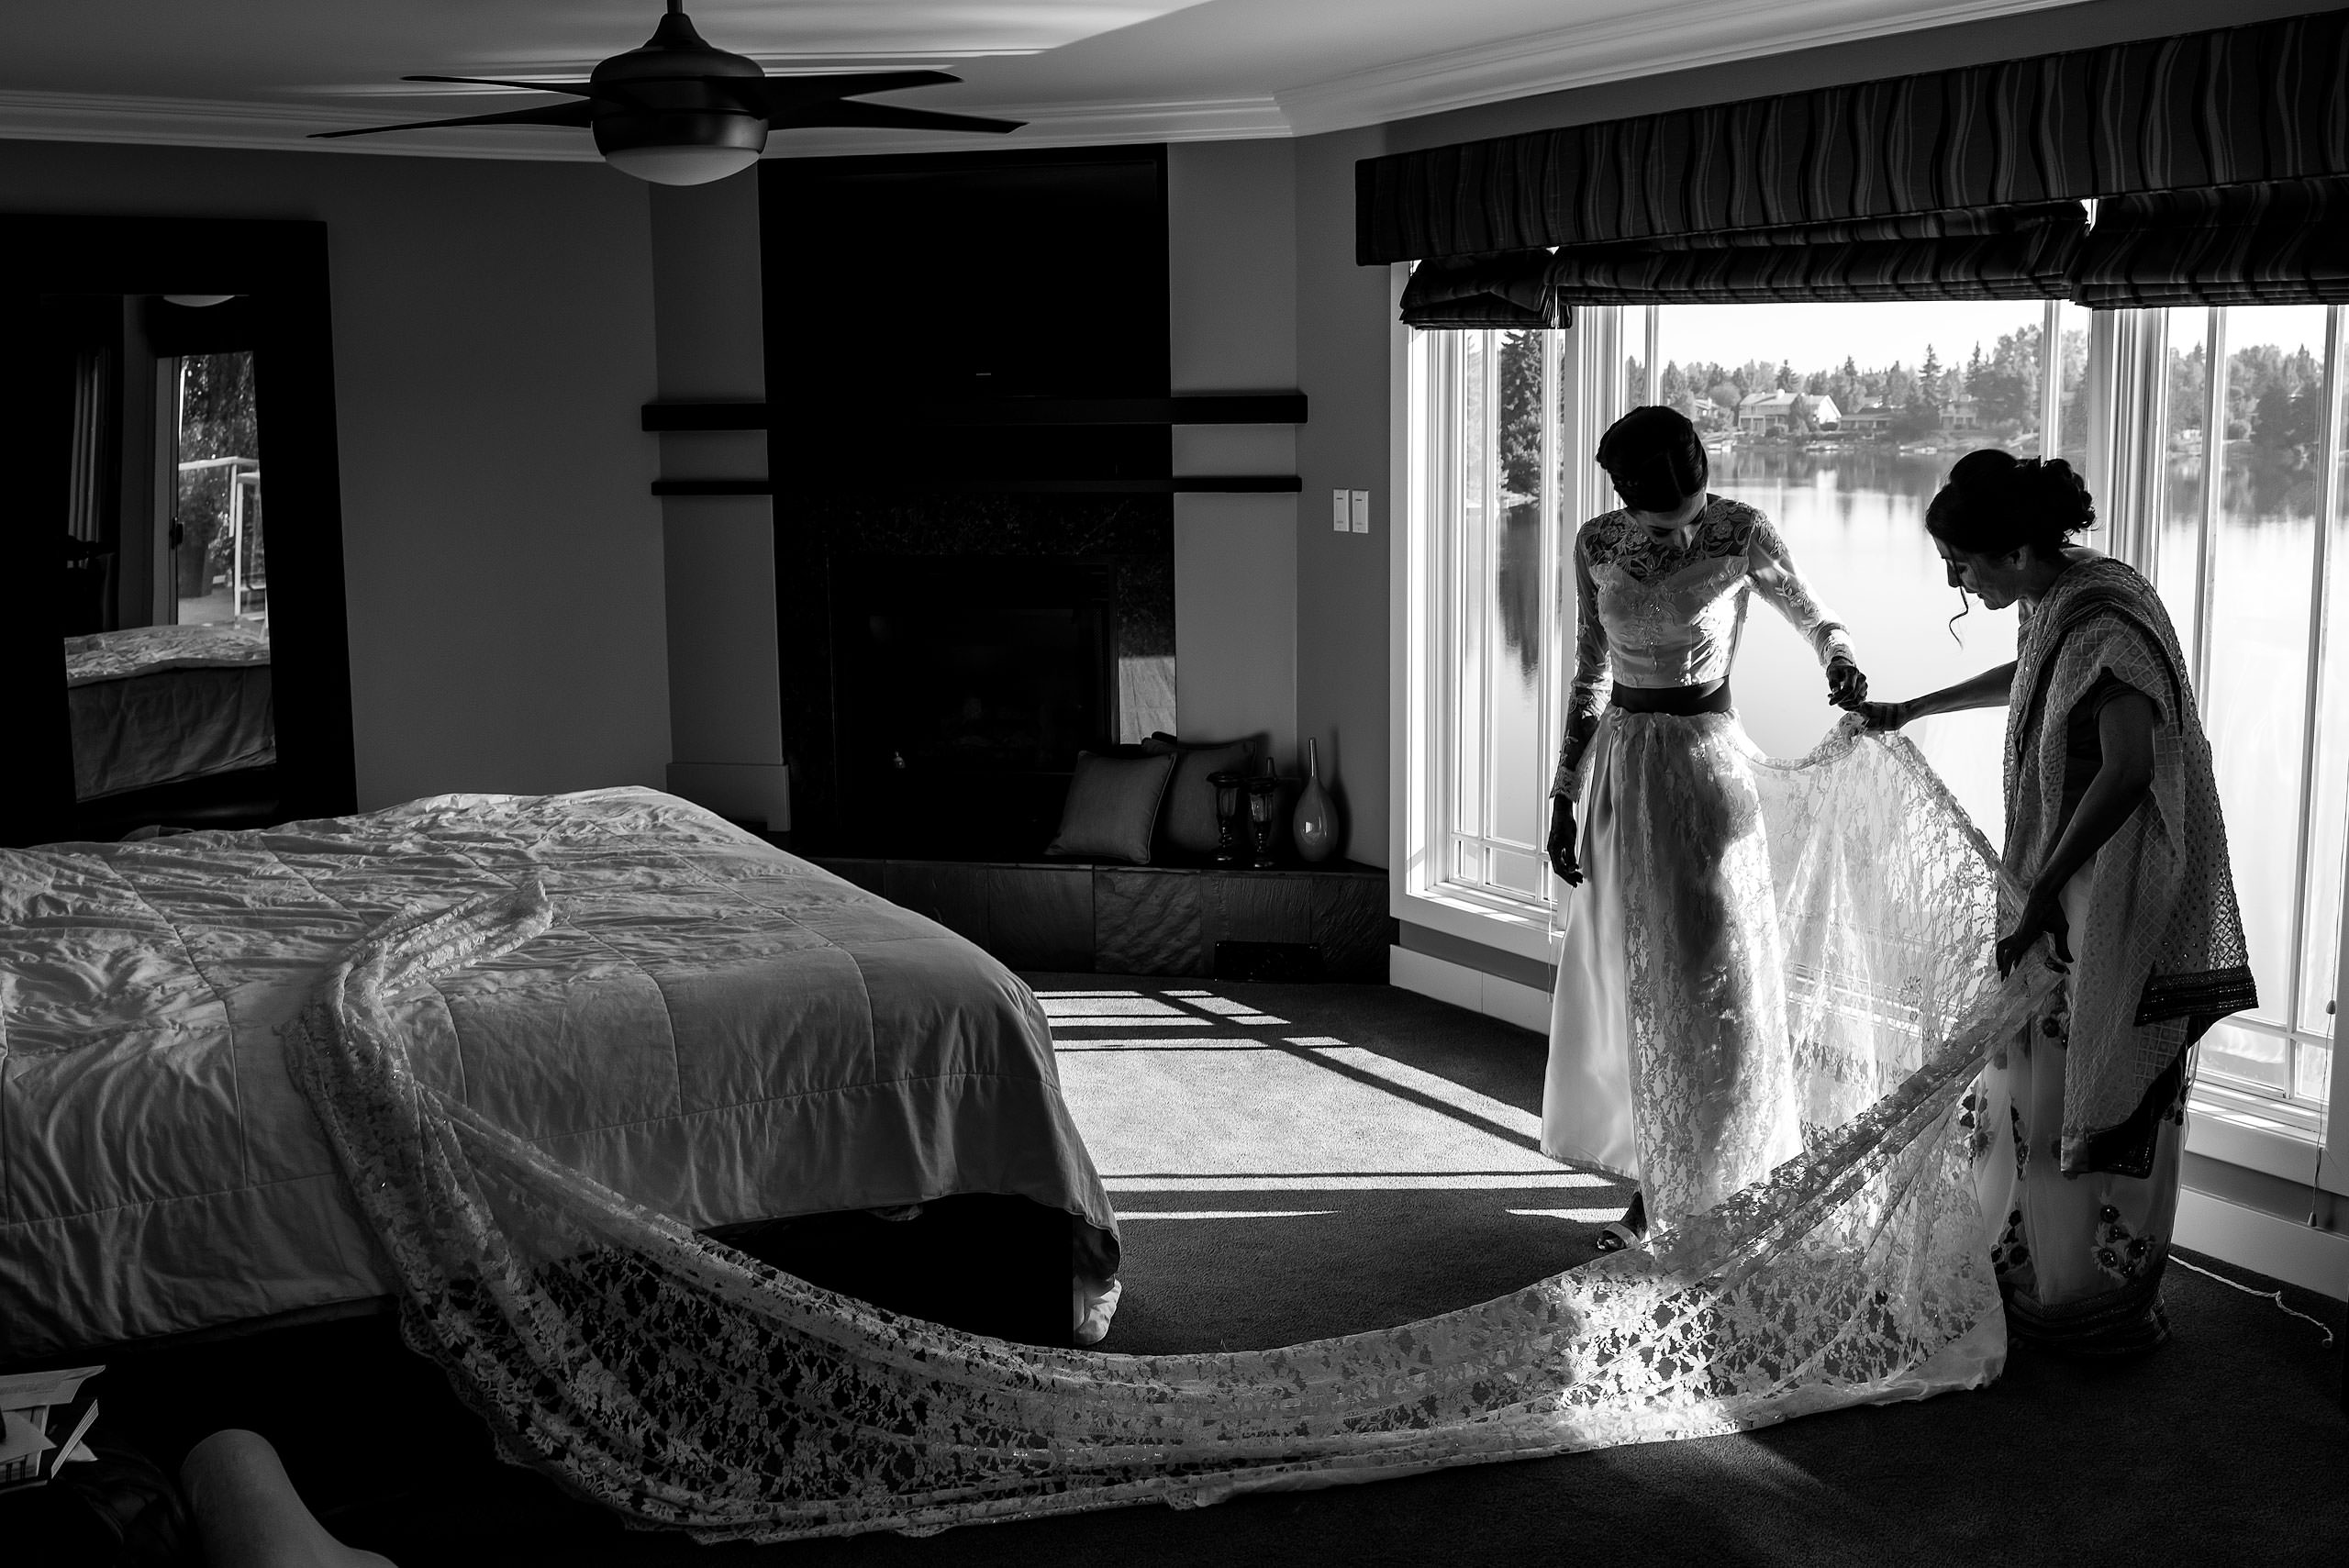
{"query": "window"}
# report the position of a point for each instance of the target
(219, 563)
(2248, 552)
(2217, 442)
(1490, 506)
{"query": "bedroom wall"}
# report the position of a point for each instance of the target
(717, 553)
(494, 338)
(1282, 621)
(1231, 311)
(1344, 331)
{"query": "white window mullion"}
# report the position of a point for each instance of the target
(2214, 462)
(1557, 649)
(2051, 380)
(2312, 709)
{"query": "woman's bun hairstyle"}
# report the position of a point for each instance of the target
(1996, 504)
(1655, 457)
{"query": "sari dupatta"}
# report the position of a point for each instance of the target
(2163, 938)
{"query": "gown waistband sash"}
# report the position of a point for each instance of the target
(1680, 702)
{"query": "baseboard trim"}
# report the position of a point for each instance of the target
(1471, 988)
(2280, 1248)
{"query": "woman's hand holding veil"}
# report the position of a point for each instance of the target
(1562, 843)
(1886, 716)
(1846, 686)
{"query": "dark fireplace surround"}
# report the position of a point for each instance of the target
(945, 660)
(959, 569)
(971, 454)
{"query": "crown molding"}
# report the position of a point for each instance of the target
(283, 127)
(276, 128)
(1060, 125)
(1646, 43)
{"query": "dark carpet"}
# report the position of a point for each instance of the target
(1389, 1182)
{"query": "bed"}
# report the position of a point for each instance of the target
(713, 1028)
(158, 704)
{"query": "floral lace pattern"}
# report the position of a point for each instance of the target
(1654, 612)
(1713, 1103)
(681, 1384)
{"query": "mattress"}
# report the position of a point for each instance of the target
(713, 1028)
(156, 704)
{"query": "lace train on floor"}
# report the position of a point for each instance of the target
(653, 1370)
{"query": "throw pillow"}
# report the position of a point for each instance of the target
(1190, 800)
(1112, 808)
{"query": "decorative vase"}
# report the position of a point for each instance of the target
(1316, 823)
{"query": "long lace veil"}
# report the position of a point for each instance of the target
(684, 1385)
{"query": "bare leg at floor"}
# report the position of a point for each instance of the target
(248, 1514)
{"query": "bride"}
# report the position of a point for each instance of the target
(1670, 1060)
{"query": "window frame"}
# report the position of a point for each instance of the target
(2124, 405)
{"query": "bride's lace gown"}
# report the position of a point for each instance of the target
(1671, 1059)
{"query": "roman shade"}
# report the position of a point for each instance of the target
(2236, 106)
(2022, 252)
(1506, 290)
(2285, 242)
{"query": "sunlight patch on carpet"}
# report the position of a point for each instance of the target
(1228, 1112)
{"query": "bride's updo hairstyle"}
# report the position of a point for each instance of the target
(1655, 458)
(1995, 505)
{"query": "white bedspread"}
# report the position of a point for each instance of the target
(713, 1028)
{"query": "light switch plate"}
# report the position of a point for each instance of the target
(1358, 504)
(1340, 511)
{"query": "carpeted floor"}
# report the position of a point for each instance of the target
(1293, 1162)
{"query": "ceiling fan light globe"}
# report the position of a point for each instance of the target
(681, 165)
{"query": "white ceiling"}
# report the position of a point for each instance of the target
(267, 72)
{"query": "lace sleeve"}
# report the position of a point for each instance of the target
(1586, 699)
(1777, 579)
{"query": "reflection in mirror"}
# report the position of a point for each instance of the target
(165, 602)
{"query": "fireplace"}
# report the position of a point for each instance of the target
(967, 354)
(965, 686)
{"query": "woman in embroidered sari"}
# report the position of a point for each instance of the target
(2117, 855)
(1670, 1057)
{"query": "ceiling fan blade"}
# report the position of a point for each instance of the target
(848, 112)
(785, 94)
(576, 89)
(578, 112)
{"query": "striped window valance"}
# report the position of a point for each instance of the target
(2255, 105)
(2026, 252)
(2286, 242)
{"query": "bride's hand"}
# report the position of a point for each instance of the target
(1886, 716)
(1561, 844)
(2042, 917)
(1846, 686)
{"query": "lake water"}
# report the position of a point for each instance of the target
(1856, 522)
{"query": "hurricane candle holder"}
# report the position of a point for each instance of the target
(1263, 793)
(1227, 816)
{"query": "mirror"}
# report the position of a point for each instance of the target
(174, 394)
(165, 600)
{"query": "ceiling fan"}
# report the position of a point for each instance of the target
(678, 112)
